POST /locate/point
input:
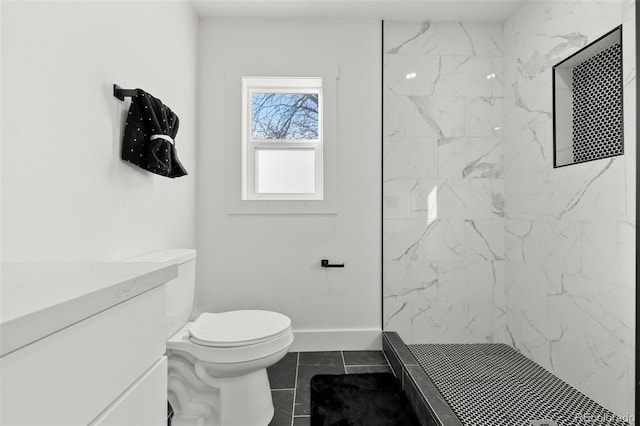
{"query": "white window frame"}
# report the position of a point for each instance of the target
(230, 102)
(250, 145)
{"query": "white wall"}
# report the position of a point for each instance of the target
(66, 195)
(273, 261)
(570, 232)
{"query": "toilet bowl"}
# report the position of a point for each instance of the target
(217, 363)
(229, 353)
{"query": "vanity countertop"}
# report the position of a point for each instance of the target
(38, 299)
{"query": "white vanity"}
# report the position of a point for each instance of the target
(83, 344)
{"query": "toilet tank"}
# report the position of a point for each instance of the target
(180, 290)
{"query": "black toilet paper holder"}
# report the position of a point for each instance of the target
(325, 264)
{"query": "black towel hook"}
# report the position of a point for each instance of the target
(121, 93)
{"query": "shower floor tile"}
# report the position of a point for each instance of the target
(494, 383)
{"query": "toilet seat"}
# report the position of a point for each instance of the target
(255, 340)
(238, 328)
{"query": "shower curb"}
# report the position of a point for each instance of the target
(429, 405)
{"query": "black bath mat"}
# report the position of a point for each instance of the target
(372, 399)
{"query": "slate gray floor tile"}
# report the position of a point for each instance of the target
(359, 369)
(301, 421)
(282, 375)
(333, 358)
(283, 407)
(364, 358)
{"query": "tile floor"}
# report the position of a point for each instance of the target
(290, 379)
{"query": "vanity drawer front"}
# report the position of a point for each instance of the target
(143, 404)
(70, 377)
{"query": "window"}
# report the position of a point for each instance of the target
(318, 163)
(282, 138)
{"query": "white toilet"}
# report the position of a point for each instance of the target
(217, 363)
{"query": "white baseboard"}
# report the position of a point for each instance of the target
(366, 339)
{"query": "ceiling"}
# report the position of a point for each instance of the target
(415, 10)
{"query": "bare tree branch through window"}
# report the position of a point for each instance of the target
(285, 116)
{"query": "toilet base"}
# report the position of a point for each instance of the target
(244, 400)
(201, 399)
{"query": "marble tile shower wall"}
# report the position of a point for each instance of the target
(569, 232)
(443, 182)
(483, 240)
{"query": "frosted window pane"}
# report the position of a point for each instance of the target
(285, 171)
(284, 116)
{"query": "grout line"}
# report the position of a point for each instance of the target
(385, 357)
(283, 389)
(295, 389)
(344, 364)
(367, 365)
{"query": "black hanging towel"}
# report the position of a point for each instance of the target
(149, 134)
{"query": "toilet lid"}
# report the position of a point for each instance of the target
(237, 328)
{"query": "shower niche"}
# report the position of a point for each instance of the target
(587, 102)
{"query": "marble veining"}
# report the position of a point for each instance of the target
(443, 38)
(534, 64)
(470, 158)
(587, 191)
(568, 231)
(420, 240)
(443, 196)
(484, 241)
